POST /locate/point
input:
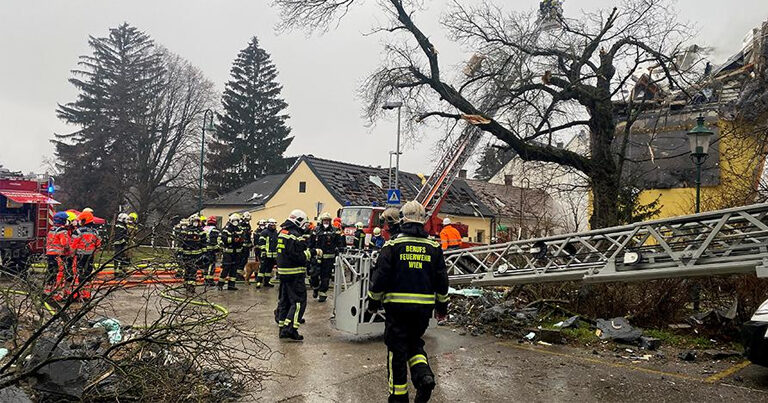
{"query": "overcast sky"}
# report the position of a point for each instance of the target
(40, 41)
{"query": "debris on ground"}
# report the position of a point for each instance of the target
(14, 394)
(3, 353)
(553, 336)
(113, 329)
(720, 354)
(687, 355)
(650, 343)
(568, 323)
(618, 329)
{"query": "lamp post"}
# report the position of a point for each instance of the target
(208, 120)
(522, 206)
(388, 106)
(699, 138)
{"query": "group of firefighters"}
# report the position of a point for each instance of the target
(70, 247)
(409, 280)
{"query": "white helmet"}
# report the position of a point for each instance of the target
(272, 221)
(359, 225)
(247, 216)
(262, 222)
(377, 231)
(446, 221)
(184, 222)
(234, 218)
(413, 211)
(122, 217)
(298, 217)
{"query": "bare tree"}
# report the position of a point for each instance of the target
(530, 78)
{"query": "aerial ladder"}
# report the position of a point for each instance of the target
(353, 268)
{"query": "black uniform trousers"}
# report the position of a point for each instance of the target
(265, 269)
(84, 266)
(229, 267)
(293, 300)
(121, 260)
(210, 268)
(321, 276)
(190, 264)
(404, 327)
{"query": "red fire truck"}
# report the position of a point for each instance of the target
(26, 210)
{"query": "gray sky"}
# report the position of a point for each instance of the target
(40, 41)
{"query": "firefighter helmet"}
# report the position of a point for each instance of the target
(272, 221)
(211, 220)
(184, 222)
(413, 211)
(234, 218)
(60, 218)
(377, 231)
(71, 216)
(87, 210)
(298, 217)
(325, 216)
(262, 222)
(133, 217)
(359, 225)
(85, 218)
(390, 215)
(446, 221)
(337, 222)
(122, 217)
(247, 216)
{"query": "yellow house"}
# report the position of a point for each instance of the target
(318, 185)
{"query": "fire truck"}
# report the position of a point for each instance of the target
(26, 210)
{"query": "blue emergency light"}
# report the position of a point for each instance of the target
(51, 186)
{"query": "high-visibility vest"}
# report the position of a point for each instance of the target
(450, 237)
(57, 242)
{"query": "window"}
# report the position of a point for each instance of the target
(302, 187)
(480, 236)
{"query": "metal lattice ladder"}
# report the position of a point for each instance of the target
(728, 241)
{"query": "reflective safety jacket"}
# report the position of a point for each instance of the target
(120, 234)
(85, 240)
(231, 239)
(245, 227)
(450, 237)
(411, 271)
(57, 242)
(328, 239)
(292, 251)
(359, 239)
(268, 243)
(212, 238)
(192, 241)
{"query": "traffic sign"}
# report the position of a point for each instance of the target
(393, 196)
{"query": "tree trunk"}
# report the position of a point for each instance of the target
(603, 175)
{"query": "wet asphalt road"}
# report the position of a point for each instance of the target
(330, 366)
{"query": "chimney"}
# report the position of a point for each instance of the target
(508, 179)
(463, 174)
(560, 144)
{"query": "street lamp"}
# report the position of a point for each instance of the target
(388, 106)
(202, 154)
(699, 138)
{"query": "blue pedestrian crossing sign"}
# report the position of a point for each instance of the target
(393, 196)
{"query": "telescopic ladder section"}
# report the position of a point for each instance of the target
(728, 241)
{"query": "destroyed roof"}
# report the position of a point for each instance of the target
(365, 185)
(505, 201)
(255, 193)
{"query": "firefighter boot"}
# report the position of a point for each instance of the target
(293, 334)
(315, 293)
(424, 389)
(189, 288)
(231, 286)
(267, 283)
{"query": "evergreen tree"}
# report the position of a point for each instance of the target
(117, 85)
(251, 135)
(491, 160)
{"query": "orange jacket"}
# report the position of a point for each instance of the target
(85, 240)
(450, 237)
(57, 242)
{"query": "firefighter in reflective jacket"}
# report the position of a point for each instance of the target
(410, 281)
(293, 255)
(120, 244)
(450, 238)
(56, 249)
(359, 236)
(268, 249)
(329, 239)
(85, 240)
(192, 247)
(231, 243)
(212, 248)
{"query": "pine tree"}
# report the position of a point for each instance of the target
(251, 135)
(492, 159)
(117, 85)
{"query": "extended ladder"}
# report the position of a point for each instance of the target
(728, 241)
